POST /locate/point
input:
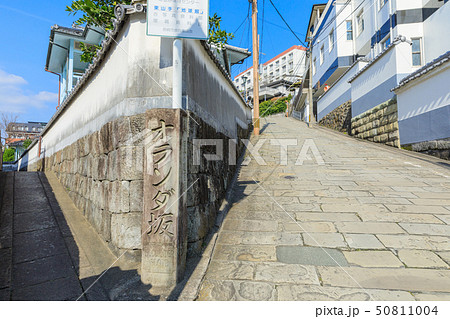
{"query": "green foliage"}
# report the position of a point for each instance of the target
(89, 52)
(27, 143)
(96, 13)
(8, 155)
(273, 107)
(218, 36)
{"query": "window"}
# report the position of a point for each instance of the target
(382, 3)
(314, 66)
(322, 55)
(291, 56)
(416, 52)
(331, 40)
(277, 63)
(284, 70)
(291, 65)
(385, 43)
(349, 30)
(283, 60)
(360, 22)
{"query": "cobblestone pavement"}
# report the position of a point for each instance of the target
(372, 223)
(48, 250)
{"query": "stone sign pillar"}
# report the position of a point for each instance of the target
(164, 226)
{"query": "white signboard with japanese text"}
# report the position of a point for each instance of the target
(178, 18)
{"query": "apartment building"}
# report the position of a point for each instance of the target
(362, 49)
(350, 33)
(276, 75)
(22, 131)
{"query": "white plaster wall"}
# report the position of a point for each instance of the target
(362, 41)
(382, 13)
(136, 75)
(322, 39)
(338, 93)
(437, 33)
(428, 93)
(344, 46)
(408, 4)
(380, 77)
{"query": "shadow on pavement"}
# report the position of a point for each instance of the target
(40, 259)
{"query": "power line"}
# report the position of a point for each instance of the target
(287, 24)
(281, 27)
(262, 32)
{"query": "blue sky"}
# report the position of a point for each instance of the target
(30, 92)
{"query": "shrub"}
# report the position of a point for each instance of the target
(273, 107)
(8, 155)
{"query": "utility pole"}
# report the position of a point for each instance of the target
(255, 66)
(310, 96)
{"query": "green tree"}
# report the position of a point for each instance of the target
(101, 12)
(8, 155)
(218, 36)
(273, 107)
(27, 143)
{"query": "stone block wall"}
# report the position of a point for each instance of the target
(103, 174)
(205, 197)
(438, 148)
(339, 119)
(379, 124)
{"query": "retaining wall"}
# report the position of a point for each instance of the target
(339, 119)
(379, 124)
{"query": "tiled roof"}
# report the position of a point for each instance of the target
(445, 58)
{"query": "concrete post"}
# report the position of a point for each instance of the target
(164, 226)
(177, 95)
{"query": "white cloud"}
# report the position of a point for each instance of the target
(11, 79)
(13, 97)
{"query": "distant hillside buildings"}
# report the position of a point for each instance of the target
(276, 75)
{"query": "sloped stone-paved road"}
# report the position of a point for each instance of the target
(373, 223)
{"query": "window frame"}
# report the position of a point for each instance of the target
(322, 54)
(383, 42)
(420, 52)
(314, 66)
(331, 40)
(360, 17)
(381, 4)
(351, 29)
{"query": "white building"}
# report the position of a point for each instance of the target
(276, 75)
(354, 56)
(423, 97)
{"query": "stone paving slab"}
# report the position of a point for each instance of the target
(53, 252)
(373, 259)
(424, 280)
(324, 293)
(382, 211)
(421, 259)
